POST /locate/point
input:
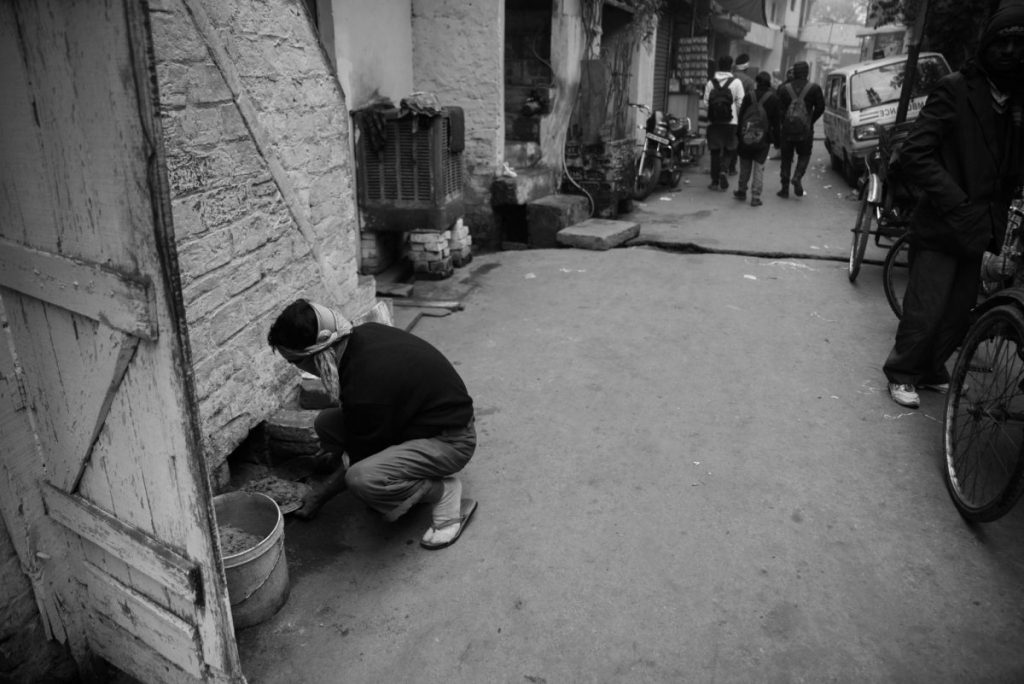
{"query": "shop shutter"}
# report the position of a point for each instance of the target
(662, 54)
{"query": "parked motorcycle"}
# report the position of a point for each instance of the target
(666, 151)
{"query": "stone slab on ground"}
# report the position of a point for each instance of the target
(550, 214)
(598, 233)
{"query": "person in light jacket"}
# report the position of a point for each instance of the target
(721, 132)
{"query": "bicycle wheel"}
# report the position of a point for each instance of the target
(861, 231)
(984, 419)
(895, 274)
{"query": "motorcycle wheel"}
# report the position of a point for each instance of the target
(674, 176)
(646, 177)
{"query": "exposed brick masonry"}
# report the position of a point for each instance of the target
(242, 253)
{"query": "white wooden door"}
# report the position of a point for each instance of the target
(103, 487)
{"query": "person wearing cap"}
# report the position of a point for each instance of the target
(814, 101)
(405, 423)
(965, 155)
(739, 70)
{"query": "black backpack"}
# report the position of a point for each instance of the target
(754, 126)
(720, 102)
(796, 124)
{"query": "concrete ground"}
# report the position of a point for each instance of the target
(688, 471)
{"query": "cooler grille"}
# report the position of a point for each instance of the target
(403, 170)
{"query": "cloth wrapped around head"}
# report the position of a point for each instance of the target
(331, 327)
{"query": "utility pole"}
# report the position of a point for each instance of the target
(910, 73)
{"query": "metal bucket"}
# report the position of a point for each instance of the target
(257, 577)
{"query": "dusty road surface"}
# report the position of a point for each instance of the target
(688, 471)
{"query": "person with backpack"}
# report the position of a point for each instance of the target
(722, 97)
(759, 125)
(739, 70)
(802, 103)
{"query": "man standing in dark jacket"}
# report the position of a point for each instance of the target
(965, 154)
(800, 144)
(405, 425)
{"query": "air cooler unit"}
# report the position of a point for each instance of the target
(414, 181)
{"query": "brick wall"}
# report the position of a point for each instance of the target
(256, 133)
(458, 53)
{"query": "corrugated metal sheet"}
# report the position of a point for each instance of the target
(748, 9)
(662, 55)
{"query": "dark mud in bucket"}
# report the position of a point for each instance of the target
(251, 529)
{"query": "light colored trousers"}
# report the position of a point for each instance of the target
(751, 172)
(393, 480)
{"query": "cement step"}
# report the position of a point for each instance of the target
(598, 233)
(527, 185)
(548, 215)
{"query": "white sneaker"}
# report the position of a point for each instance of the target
(904, 395)
(940, 387)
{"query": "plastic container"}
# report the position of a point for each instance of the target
(257, 577)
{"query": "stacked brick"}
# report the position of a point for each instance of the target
(461, 244)
(290, 434)
(435, 254)
(603, 170)
(378, 251)
(429, 253)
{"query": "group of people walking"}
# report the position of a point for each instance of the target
(747, 116)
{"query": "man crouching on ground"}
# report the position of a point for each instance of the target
(405, 425)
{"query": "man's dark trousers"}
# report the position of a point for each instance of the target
(802, 150)
(938, 300)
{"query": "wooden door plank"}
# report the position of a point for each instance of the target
(142, 662)
(86, 180)
(130, 544)
(136, 658)
(121, 301)
(21, 506)
(77, 368)
(101, 408)
(91, 149)
(142, 490)
(20, 140)
(167, 634)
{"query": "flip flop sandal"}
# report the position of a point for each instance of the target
(466, 510)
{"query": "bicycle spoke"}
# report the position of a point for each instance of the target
(985, 418)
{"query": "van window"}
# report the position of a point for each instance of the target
(842, 92)
(833, 92)
(883, 84)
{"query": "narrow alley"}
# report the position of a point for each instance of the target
(689, 471)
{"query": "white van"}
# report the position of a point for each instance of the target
(862, 98)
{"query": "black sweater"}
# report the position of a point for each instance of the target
(395, 387)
